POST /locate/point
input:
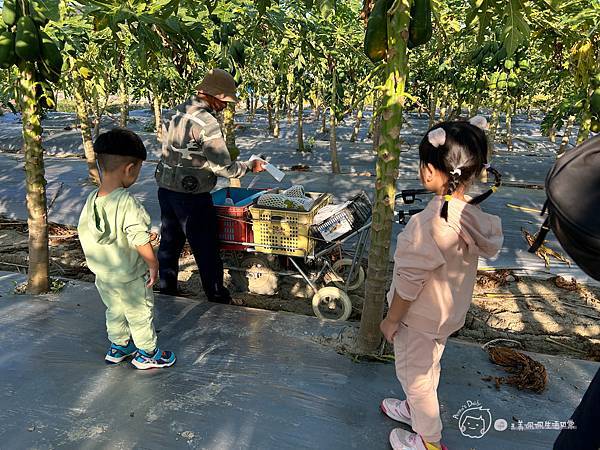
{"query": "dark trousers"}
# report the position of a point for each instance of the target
(191, 216)
(587, 421)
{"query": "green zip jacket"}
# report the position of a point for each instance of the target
(110, 228)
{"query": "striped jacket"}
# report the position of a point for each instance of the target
(194, 153)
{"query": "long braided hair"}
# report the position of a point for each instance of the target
(458, 149)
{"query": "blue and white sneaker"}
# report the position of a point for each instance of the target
(117, 353)
(160, 358)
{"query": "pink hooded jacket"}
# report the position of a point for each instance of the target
(435, 264)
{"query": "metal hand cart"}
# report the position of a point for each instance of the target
(266, 243)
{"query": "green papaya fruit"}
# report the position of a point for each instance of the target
(7, 49)
(376, 35)
(595, 126)
(595, 101)
(509, 64)
(51, 57)
(523, 64)
(502, 84)
(503, 76)
(238, 53)
(38, 12)
(10, 12)
(27, 42)
(420, 29)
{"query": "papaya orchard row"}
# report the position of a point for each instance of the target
(445, 58)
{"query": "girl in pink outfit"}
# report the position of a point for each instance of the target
(435, 266)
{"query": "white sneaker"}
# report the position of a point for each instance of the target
(401, 439)
(397, 410)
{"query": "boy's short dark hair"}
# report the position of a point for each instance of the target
(119, 147)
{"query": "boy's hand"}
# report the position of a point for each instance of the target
(389, 328)
(153, 276)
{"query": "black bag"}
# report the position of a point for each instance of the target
(573, 205)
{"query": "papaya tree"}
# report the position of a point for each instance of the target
(39, 63)
(387, 38)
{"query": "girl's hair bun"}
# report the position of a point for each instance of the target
(479, 121)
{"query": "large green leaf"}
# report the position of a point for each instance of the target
(516, 29)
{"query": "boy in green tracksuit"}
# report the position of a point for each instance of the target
(114, 231)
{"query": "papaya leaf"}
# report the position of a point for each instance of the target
(516, 30)
(325, 7)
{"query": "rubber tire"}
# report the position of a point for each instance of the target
(359, 276)
(336, 294)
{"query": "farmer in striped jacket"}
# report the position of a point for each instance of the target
(194, 154)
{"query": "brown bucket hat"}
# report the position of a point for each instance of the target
(220, 84)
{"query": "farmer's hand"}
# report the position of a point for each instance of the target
(153, 275)
(389, 328)
(257, 165)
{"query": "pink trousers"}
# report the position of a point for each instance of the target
(418, 369)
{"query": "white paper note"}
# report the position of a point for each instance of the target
(273, 171)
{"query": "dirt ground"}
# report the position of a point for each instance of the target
(551, 315)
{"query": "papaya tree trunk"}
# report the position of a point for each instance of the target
(566, 136)
(475, 106)
(552, 133)
(509, 136)
(37, 218)
(388, 155)
(585, 126)
(229, 128)
(290, 111)
(277, 114)
(300, 121)
(494, 120)
(357, 122)
(97, 116)
(444, 105)
(433, 108)
(255, 106)
(335, 164)
(157, 109)
(270, 114)
(124, 98)
(86, 134)
(376, 132)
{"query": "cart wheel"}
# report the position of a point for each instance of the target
(342, 268)
(256, 275)
(332, 303)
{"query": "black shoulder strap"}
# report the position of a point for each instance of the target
(541, 237)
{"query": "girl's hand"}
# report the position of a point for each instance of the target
(389, 328)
